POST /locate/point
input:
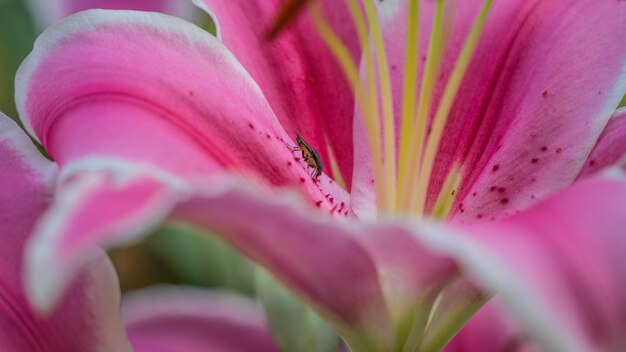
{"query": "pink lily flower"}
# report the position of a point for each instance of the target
(88, 318)
(138, 110)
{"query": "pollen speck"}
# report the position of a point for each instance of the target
(558, 150)
(545, 93)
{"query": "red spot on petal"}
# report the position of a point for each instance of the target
(474, 194)
(251, 126)
(190, 93)
(479, 216)
(592, 162)
(493, 188)
(331, 199)
(504, 200)
(268, 136)
(545, 93)
(558, 150)
(501, 190)
(495, 168)
(544, 148)
(534, 160)
(289, 163)
(302, 180)
(318, 203)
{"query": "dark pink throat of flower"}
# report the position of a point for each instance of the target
(402, 176)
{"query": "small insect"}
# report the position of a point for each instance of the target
(310, 156)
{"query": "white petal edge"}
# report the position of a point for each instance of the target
(83, 22)
(45, 285)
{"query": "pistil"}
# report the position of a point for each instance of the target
(408, 97)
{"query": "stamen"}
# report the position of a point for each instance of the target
(334, 167)
(448, 193)
(368, 106)
(372, 122)
(416, 142)
(446, 102)
(408, 93)
(387, 101)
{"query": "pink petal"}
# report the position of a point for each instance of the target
(320, 259)
(559, 267)
(87, 319)
(490, 330)
(533, 101)
(296, 71)
(411, 275)
(610, 147)
(155, 90)
(90, 209)
(185, 319)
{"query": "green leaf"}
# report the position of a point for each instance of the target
(17, 35)
(296, 328)
(200, 259)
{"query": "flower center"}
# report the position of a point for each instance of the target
(402, 176)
